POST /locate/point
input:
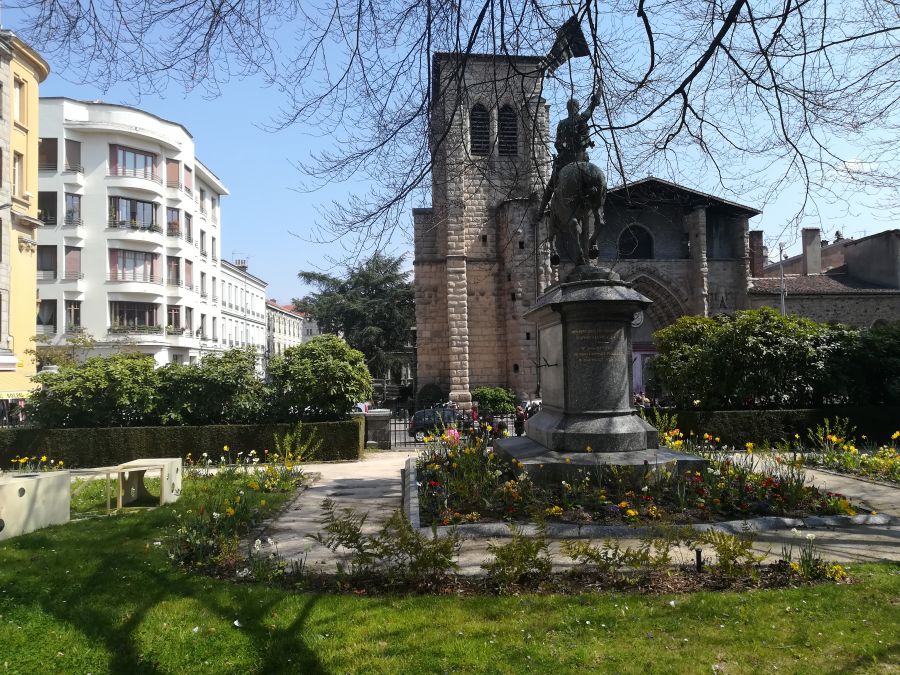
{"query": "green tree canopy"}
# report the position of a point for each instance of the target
(756, 359)
(115, 391)
(318, 380)
(371, 307)
(222, 389)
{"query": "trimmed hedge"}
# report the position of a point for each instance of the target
(105, 446)
(736, 427)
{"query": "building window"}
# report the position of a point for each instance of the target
(46, 318)
(173, 222)
(73, 315)
(479, 130)
(173, 270)
(635, 243)
(46, 262)
(507, 131)
(212, 250)
(18, 180)
(189, 274)
(47, 152)
(188, 228)
(215, 329)
(202, 243)
(125, 212)
(126, 265)
(47, 208)
(188, 180)
(130, 162)
(132, 314)
(73, 262)
(19, 101)
(73, 155)
(73, 208)
(202, 284)
(173, 319)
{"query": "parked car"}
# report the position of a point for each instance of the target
(435, 420)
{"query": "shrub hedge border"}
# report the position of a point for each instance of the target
(104, 446)
(737, 427)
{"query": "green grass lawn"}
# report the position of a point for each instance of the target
(101, 595)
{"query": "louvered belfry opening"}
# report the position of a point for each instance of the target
(479, 130)
(507, 131)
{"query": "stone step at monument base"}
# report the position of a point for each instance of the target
(545, 465)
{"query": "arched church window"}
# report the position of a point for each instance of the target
(635, 243)
(507, 131)
(479, 130)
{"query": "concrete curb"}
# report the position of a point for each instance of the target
(573, 531)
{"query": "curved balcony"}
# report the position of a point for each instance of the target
(135, 229)
(136, 282)
(135, 180)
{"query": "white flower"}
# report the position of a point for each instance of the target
(795, 532)
(810, 536)
(243, 573)
(205, 454)
(671, 603)
(196, 629)
(645, 488)
(216, 516)
(270, 541)
(257, 545)
(237, 623)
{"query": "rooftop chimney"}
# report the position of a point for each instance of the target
(757, 254)
(812, 251)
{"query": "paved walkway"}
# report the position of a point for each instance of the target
(373, 486)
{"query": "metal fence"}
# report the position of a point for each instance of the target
(401, 437)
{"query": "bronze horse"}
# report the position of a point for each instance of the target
(577, 203)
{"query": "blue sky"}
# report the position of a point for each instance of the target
(269, 222)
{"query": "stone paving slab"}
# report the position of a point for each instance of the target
(373, 485)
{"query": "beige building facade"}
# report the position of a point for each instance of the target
(21, 72)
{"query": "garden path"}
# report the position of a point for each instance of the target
(373, 485)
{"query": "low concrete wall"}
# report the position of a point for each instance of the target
(378, 429)
(30, 501)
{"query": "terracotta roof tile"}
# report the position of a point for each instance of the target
(817, 284)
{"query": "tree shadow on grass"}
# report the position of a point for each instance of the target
(109, 582)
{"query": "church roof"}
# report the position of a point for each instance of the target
(656, 190)
(835, 282)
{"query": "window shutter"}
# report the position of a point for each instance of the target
(73, 261)
(73, 155)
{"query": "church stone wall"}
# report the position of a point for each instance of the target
(853, 309)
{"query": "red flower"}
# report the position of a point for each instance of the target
(433, 483)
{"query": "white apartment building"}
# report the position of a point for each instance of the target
(129, 246)
(243, 302)
(285, 327)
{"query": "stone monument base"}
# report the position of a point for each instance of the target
(546, 465)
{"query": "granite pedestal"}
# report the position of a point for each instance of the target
(587, 419)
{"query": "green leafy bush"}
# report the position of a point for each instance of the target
(756, 359)
(397, 556)
(318, 380)
(494, 400)
(119, 390)
(524, 560)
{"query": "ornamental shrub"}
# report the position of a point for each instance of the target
(115, 391)
(319, 380)
(494, 400)
(756, 359)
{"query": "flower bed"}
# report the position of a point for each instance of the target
(461, 480)
(844, 454)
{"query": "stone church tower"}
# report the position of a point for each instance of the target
(478, 260)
